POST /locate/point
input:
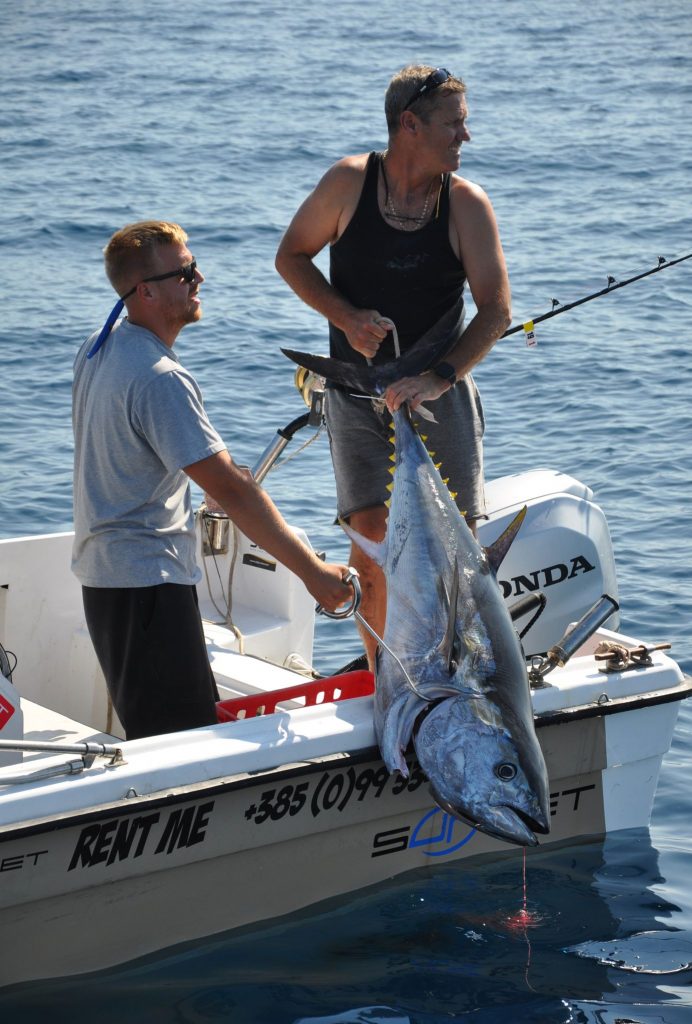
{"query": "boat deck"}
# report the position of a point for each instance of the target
(42, 725)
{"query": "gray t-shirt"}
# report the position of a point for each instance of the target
(138, 418)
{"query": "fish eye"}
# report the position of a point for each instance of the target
(506, 772)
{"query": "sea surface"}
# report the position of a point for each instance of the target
(222, 117)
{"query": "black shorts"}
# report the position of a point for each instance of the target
(150, 644)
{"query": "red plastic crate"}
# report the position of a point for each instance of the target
(317, 691)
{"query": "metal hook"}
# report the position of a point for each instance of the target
(352, 578)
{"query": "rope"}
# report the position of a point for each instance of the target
(227, 615)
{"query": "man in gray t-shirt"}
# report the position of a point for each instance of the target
(141, 433)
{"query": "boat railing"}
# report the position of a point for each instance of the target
(88, 753)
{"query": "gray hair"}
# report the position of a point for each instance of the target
(403, 88)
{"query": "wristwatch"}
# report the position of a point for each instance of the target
(446, 371)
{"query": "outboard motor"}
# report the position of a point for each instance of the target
(563, 549)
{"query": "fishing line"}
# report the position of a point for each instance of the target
(522, 921)
(611, 286)
(295, 454)
(353, 578)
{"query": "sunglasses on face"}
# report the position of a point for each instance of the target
(435, 78)
(187, 272)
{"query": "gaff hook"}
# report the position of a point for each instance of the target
(352, 609)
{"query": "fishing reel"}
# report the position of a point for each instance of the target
(311, 388)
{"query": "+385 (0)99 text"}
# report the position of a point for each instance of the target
(332, 791)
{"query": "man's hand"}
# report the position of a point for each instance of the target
(328, 587)
(414, 390)
(365, 331)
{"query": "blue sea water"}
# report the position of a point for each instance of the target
(222, 117)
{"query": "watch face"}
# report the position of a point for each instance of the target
(446, 371)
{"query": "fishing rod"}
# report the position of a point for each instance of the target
(612, 286)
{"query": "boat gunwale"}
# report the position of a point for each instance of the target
(195, 790)
(617, 705)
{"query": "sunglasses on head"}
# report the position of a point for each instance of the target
(435, 78)
(187, 272)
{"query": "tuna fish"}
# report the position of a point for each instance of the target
(450, 673)
(449, 628)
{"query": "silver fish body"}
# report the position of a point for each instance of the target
(464, 696)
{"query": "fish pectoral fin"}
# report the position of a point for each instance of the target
(496, 551)
(376, 550)
(450, 645)
(395, 730)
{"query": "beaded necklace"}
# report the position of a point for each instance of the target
(392, 213)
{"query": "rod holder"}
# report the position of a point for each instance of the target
(577, 635)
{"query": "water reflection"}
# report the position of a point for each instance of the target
(599, 944)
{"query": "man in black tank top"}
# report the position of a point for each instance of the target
(405, 234)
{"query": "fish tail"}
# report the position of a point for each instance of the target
(366, 380)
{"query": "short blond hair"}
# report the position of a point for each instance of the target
(403, 88)
(131, 254)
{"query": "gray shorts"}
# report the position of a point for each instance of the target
(359, 438)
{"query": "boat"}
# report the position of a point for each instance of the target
(112, 850)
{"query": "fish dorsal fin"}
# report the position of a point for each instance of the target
(450, 644)
(496, 552)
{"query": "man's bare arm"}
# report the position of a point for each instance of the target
(320, 221)
(476, 240)
(256, 515)
(480, 250)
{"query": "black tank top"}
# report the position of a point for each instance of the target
(412, 277)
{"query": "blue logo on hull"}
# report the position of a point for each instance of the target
(446, 839)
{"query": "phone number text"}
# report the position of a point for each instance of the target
(332, 791)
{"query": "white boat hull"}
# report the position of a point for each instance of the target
(182, 836)
(148, 872)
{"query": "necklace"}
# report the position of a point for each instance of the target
(390, 211)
